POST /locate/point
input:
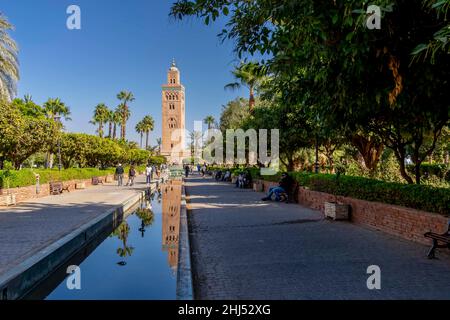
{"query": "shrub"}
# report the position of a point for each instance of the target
(420, 197)
(26, 177)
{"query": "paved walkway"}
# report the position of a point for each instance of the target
(29, 227)
(243, 248)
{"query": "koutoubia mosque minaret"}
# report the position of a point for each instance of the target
(173, 117)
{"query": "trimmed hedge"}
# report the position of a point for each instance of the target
(26, 177)
(442, 171)
(419, 197)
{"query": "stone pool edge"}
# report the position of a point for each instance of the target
(18, 281)
(184, 273)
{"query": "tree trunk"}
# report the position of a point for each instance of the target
(141, 139)
(123, 128)
(110, 130)
(100, 129)
(146, 140)
(251, 103)
(114, 131)
(370, 150)
(401, 161)
(417, 172)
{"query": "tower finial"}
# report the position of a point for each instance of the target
(174, 63)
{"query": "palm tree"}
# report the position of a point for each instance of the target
(249, 75)
(101, 115)
(9, 70)
(116, 119)
(159, 142)
(149, 125)
(209, 121)
(110, 120)
(55, 108)
(125, 97)
(140, 129)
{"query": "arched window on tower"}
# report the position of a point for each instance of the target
(172, 123)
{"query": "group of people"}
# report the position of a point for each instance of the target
(150, 172)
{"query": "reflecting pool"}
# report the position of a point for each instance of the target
(138, 260)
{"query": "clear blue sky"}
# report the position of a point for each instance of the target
(123, 45)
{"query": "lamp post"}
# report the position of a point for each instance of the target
(317, 155)
(58, 121)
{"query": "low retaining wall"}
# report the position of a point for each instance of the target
(407, 223)
(28, 193)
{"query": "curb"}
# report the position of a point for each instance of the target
(184, 273)
(18, 281)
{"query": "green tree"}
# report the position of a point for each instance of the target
(101, 116)
(249, 75)
(28, 108)
(9, 65)
(140, 129)
(233, 114)
(209, 121)
(148, 126)
(56, 108)
(159, 142)
(124, 110)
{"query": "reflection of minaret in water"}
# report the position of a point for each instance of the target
(171, 200)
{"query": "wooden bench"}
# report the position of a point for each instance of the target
(58, 187)
(439, 241)
(96, 181)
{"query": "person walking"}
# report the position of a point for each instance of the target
(148, 174)
(186, 171)
(131, 176)
(119, 174)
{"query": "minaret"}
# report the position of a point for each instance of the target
(173, 117)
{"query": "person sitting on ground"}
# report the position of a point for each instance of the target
(227, 176)
(283, 188)
(218, 175)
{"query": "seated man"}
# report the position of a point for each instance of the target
(227, 176)
(283, 188)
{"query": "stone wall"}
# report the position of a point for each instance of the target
(29, 193)
(407, 223)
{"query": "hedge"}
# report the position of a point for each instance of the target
(441, 171)
(26, 177)
(421, 197)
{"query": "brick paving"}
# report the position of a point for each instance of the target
(243, 248)
(29, 227)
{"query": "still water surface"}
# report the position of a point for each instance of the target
(138, 260)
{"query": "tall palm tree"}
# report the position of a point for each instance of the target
(159, 142)
(116, 119)
(124, 114)
(209, 121)
(149, 125)
(125, 97)
(249, 75)
(9, 64)
(110, 119)
(55, 108)
(140, 129)
(101, 115)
